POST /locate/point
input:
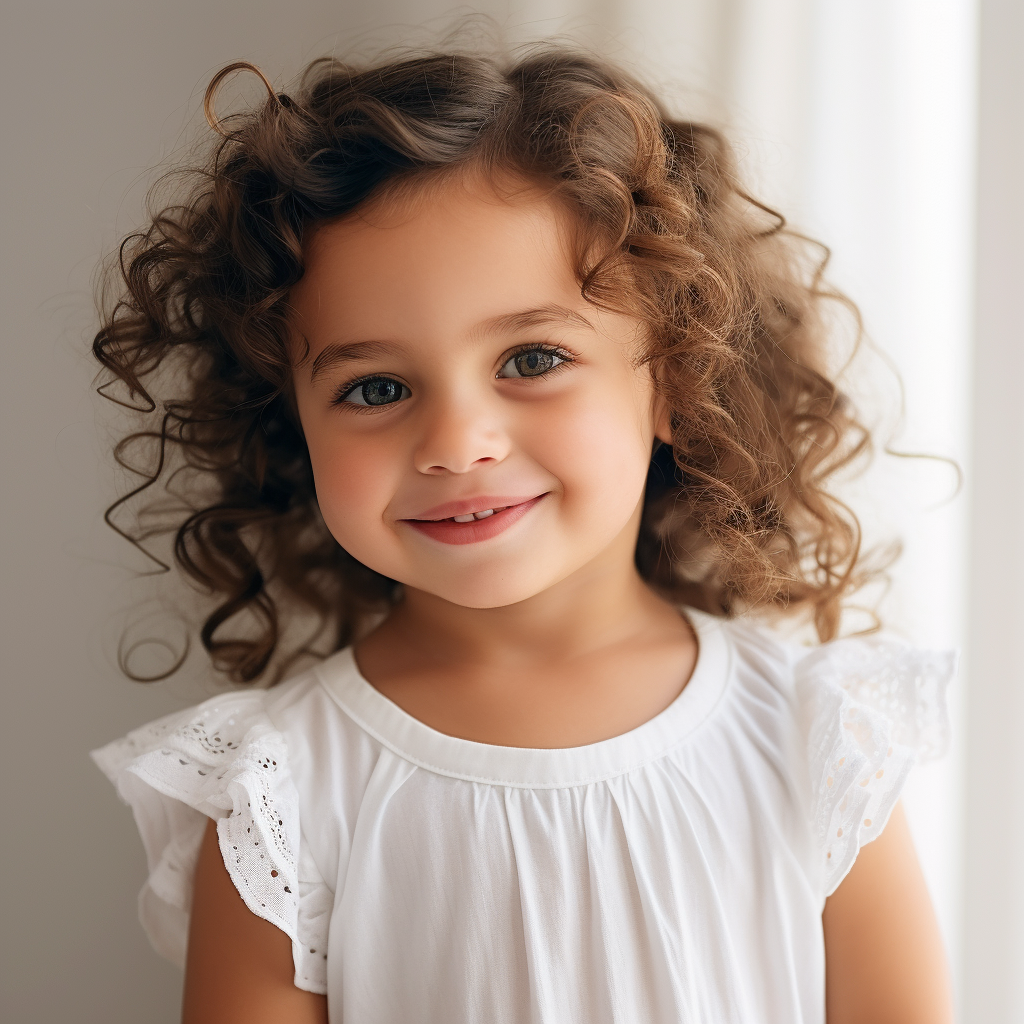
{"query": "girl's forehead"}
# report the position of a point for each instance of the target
(445, 270)
(467, 247)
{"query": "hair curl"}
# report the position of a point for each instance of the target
(737, 515)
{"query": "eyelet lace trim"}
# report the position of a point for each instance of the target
(226, 760)
(874, 707)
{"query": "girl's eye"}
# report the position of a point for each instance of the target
(531, 362)
(375, 392)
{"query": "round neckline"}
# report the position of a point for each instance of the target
(535, 767)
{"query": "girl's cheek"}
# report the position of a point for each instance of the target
(355, 479)
(596, 445)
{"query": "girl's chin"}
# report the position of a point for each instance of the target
(485, 592)
(485, 598)
(493, 582)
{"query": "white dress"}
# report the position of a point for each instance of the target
(674, 873)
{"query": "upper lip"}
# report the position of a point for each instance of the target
(468, 506)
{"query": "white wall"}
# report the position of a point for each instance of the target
(888, 177)
(994, 825)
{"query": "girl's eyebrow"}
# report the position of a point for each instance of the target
(541, 316)
(339, 353)
(505, 323)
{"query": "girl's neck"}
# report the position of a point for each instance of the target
(591, 657)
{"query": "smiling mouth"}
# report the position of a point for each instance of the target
(478, 525)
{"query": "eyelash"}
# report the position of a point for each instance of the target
(567, 359)
(346, 389)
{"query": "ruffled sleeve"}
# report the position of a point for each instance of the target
(223, 760)
(873, 707)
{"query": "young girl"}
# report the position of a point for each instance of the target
(495, 372)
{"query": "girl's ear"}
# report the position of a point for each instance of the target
(662, 419)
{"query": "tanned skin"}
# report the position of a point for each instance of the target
(239, 966)
(884, 959)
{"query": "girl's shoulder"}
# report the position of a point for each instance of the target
(866, 709)
(246, 760)
(278, 729)
(877, 673)
(194, 755)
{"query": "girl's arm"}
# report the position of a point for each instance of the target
(884, 960)
(239, 967)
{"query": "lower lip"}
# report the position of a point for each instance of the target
(449, 532)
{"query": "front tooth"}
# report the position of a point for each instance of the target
(483, 515)
(464, 519)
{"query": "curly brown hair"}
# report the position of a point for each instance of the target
(736, 511)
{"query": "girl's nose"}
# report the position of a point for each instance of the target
(458, 436)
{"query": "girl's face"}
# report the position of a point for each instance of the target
(477, 429)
